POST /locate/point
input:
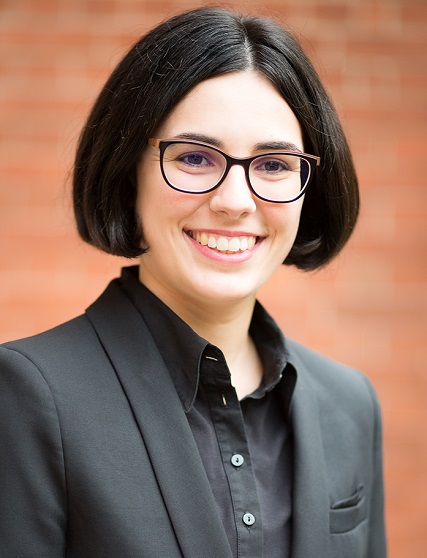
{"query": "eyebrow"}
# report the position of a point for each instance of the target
(277, 146)
(262, 146)
(200, 137)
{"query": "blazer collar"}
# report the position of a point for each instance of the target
(310, 496)
(163, 424)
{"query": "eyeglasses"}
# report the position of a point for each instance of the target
(196, 168)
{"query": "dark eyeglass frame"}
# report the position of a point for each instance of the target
(244, 162)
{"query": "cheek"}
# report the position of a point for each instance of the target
(162, 208)
(285, 218)
(153, 194)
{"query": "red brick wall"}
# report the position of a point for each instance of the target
(367, 309)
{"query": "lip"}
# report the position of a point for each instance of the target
(223, 232)
(224, 257)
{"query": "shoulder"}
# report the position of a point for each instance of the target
(331, 380)
(52, 356)
(73, 339)
(76, 353)
(56, 341)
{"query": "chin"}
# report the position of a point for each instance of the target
(224, 292)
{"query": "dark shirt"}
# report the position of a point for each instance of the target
(246, 445)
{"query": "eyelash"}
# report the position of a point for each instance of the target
(182, 158)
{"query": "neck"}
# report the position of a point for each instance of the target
(225, 325)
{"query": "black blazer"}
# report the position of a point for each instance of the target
(92, 466)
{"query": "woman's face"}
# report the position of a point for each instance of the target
(237, 112)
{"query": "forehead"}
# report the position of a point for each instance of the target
(238, 109)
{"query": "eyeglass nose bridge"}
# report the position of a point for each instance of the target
(236, 162)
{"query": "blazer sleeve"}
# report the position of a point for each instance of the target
(377, 547)
(32, 472)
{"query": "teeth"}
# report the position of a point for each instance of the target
(244, 243)
(234, 245)
(224, 244)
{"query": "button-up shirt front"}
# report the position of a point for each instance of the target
(246, 445)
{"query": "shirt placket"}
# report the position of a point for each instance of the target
(230, 431)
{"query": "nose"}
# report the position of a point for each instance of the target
(233, 197)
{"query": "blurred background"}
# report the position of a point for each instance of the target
(368, 309)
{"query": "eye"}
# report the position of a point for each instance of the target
(272, 166)
(194, 159)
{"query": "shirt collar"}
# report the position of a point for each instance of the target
(182, 348)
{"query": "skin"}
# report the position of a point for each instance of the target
(215, 292)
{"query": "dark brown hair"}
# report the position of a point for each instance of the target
(158, 71)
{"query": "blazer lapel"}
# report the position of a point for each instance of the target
(163, 425)
(310, 497)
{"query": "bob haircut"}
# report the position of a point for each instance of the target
(158, 71)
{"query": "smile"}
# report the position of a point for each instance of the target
(223, 243)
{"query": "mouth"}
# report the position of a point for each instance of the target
(224, 244)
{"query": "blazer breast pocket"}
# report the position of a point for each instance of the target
(346, 514)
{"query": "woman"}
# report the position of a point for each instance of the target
(173, 418)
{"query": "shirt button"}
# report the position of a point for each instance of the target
(248, 519)
(237, 460)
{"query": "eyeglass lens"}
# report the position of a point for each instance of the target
(198, 168)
